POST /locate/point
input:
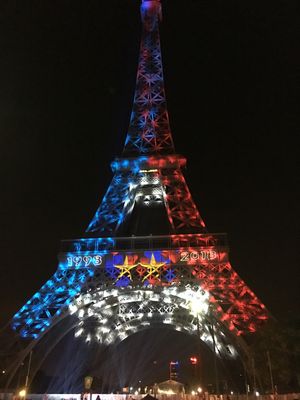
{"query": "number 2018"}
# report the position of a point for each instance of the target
(186, 256)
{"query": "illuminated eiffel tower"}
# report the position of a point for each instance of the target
(146, 258)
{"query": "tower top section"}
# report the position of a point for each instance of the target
(149, 129)
(150, 10)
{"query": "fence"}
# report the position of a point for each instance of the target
(96, 396)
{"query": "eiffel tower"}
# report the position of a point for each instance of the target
(146, 259)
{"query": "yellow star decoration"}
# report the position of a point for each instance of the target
(125, 269)
(152, 268)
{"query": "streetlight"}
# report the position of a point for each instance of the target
(271, 373)
(22, 393)
(28, 372)
(212, 332)
(194, 362)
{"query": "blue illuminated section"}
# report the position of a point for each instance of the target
(170, 275)
(110, 213)
(91, 244)
(123, 282)
(74, 270)
(134, 165)
(119, 197)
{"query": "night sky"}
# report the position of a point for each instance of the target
(67, 74)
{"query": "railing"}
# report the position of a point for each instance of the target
(145, 242)
(206, 396)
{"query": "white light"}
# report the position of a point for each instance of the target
(86, 299)
(90, 312)
(81, 313)
(108, 341)
(122, 335)
(104, 329)
(232, 350)
(102, 305)
(199, 390)
(169, 391)
(193, 392)
(88, 338)
(198, 305)
(73, 308)
(79, 332)
(99, 304)
(256, 394)
(147, 171)
(113, 293)
(109, 312)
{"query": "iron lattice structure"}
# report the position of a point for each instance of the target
(149, 129)
(146, 257)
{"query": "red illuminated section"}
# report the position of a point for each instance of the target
(183, 214)
(235, 303)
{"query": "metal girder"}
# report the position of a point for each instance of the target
(109, 315)
(174, 261)
(128, 187)
(149, 129)
(107, 272)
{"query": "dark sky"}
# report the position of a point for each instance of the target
(67, 73)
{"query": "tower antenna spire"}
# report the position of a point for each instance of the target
(150, 9)
(149, 130)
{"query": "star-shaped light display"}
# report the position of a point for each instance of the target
(125, 269)
(152, 268)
